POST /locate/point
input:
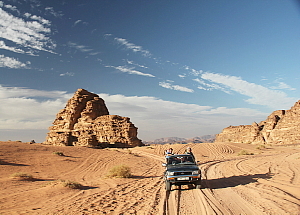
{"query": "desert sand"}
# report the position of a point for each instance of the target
(267, 182)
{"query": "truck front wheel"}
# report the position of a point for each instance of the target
(168, 186)
(198, 185)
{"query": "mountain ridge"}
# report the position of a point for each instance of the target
(173, 140)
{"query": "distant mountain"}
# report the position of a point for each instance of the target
(178, 140)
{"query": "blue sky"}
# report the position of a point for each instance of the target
(176, 68)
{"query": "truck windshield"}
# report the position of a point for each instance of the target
(180, 159)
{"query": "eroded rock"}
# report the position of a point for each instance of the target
(85, 121)
(281, 127)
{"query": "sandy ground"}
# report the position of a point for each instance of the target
(267, 182)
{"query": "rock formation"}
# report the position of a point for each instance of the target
(85, 121)
(281, 127)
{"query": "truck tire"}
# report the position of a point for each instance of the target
(198, 185)
(168, 186)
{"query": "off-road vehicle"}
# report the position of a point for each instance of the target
(181, 169)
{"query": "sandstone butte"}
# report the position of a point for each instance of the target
(85, 121)
(281, 127)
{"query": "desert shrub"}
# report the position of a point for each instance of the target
(120, 171)
(59, 153)
(64, 183)
(71, 184)
(22, 176)
(244, 152)
(261, 147)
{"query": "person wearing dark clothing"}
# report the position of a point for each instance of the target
(189, 151)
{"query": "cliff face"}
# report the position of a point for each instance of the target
(85, 121)
(281, 127)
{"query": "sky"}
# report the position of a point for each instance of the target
(175, 68)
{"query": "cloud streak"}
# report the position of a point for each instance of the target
(131, 71)
(175, 87)
(12, 63)
(30, 33)
(259, 95)
(81, 48)
(133, 47)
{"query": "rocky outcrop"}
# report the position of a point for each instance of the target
(85, 121)
(281, 127)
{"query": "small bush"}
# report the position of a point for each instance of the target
(71, 184)
(261, 147)
(120, 171)
(22, 176)
(64, 183)
(59, 153)
(244, 152)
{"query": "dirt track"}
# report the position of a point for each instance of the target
(267, 182)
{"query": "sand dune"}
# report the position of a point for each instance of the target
(267, 182)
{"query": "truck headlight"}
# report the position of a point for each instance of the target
(170, 173)
(195, 172)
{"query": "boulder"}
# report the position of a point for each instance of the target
(85, 121)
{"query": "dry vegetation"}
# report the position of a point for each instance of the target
(120, 171)
(59, 153)
(22, 176)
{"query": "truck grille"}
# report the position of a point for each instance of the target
(182, 173)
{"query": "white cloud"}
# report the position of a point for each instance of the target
(41, 20)
(209, 87)
(193, 71)
(67, 74)
(21, 108)
(78, 21)
(30, 34)
(132, 63)
(282, 86)
(131, 71)
(175, 87)
(13, 8)
(27, 15)
(258, 94)
(157, 118)
(51, 11)
(94, 53)
(14, 49)
(12, 63)
(132, 46)
(8, 92)
(81, 48)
